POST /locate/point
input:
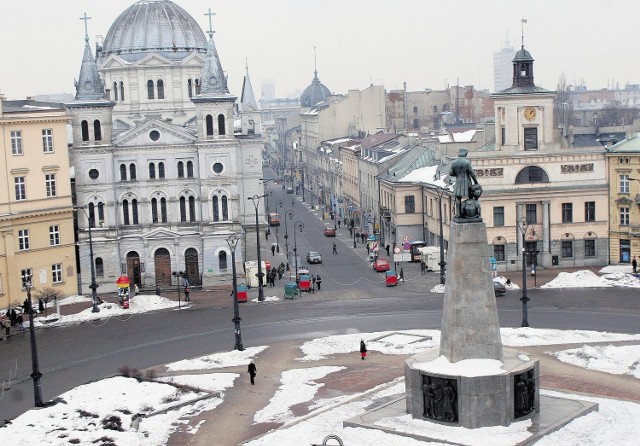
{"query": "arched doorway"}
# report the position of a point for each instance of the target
(191, 266)
(162, 259)
(133, 268)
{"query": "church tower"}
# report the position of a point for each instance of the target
(214, 104)
(248, 113)
(91, 110)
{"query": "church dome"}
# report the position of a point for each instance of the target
(154, 26)
(522, 55)
(314, 93)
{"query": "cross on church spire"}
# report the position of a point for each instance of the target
(86, 28)
(210, 14)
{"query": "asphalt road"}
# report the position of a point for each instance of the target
(353, 299)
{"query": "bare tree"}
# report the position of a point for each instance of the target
(617, 114)
(562, 105)
(46, 295)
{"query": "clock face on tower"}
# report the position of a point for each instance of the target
(529, 113)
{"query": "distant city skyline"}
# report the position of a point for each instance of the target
(428, 45)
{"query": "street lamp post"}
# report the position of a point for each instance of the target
(442, 262)
(256, 203)
(288, 213)
(297, 226)
(278, 207)
(302, 174)
(522, 226)
(94, 285)
(35, 375)
(232, 241)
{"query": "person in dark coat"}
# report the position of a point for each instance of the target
(363, 349)
(387, 248)
(273, 250)
(252, 372)
(401, 275)
(318, 281)
(13, 316)
(634, 265)
(187, 290)
(335, 250)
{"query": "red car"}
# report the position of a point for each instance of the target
(381, 265)
(329, 232)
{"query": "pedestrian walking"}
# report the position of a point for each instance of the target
(318, 281)
(363, 349)
(186, 294)
(313, 283)
(387, 248)
(423, 267)
(401, 275)
(362, 237)
(368, 248)
(335, 248)
(338, 224)
(634, 265)
(273, 250)
(13, 316)
(252, 372)
(20, 322)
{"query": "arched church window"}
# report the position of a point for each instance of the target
(100, 212)
(160, 170)
(99, 267)
(216, 210)
(189, 88)
(222, 260)
(183, 210)
(115, 91)
(160, 89)
(84, 128)
(192, 209)
(132, 172)
(163, 209)
(125, 212)
(209, 123)
(150, 89)
(123, 172)
(97, 130)
(532, 174)
(92, 215)
(524, 69)
(154, 210)
(121, 91)
(180, 169)
(134, 211)
(221, 128)
(152, 171)
(225, 208)
(189, 169)
(197, 86)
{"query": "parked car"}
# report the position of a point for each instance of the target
(381, 265)
(498, 287)
(314, 257)
(274, 219)
(329, 232)
(289, 190)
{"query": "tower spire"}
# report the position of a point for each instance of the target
(522, 31)
(89, 86)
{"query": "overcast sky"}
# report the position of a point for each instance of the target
(425, 43)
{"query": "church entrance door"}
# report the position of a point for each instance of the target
(133, 268)
(191, 266)
(162, 259)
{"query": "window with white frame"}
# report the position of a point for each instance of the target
(23, 239)
(16, 142)
(50, 184)
(54, 235)
(624, 184)
(26, 273)
(47, 140)
(56, 273)
(624, 216)
(21, 188)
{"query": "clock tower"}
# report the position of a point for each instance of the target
(524, 112)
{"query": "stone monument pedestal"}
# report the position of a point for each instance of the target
(490, 395)
(471, 381)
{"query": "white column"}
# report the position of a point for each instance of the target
(546, 227)
(520, 213)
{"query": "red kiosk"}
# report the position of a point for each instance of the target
(123, 284)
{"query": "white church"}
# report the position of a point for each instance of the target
(165, 157)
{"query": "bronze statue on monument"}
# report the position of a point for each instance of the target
(465, 176)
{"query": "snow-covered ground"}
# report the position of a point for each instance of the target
(91, 412)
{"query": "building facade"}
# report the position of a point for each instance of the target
(162, 175)
(36, 214)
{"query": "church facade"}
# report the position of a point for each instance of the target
(162, 173)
